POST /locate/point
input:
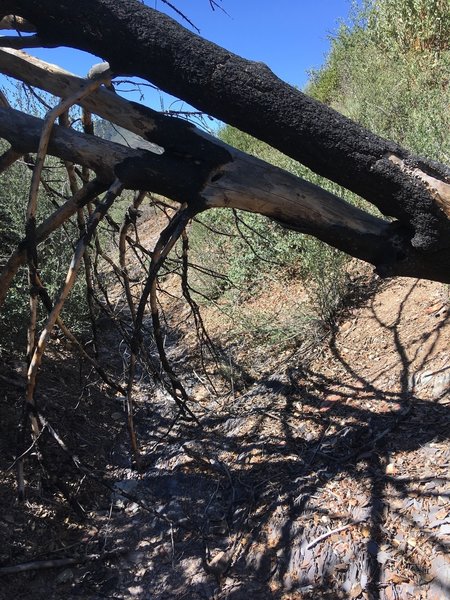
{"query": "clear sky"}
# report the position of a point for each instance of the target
(290, 36)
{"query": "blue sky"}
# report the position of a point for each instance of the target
(290, 36)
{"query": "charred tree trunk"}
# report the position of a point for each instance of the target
(137, 40)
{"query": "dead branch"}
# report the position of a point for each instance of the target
(165, 243)
(8, 158)
(201, 332)
(128, 222)
(90, 191)
(324, 536)
(113, 192)
(32, 41)
(56, 563)
(259, 103)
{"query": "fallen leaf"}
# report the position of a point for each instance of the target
(383, 557)
(396, 578)
(333, 398)
(365, 530)
(356, 591)
(434, 308)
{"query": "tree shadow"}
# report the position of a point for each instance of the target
(315, 483)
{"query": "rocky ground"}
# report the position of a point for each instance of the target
(327, 478)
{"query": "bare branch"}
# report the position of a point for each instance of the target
(101, 209)
(18, 43)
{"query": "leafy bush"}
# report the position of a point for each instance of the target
(54, 257)
(389, 71)
(253, 252)
(404, 26)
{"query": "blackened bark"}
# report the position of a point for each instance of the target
(138, 40)
(244, 182)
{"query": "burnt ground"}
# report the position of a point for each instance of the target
(327, 478)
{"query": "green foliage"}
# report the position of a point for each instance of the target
(389, 71)
(404, 26)
(247, 247)
(54, 257)
(254, 252)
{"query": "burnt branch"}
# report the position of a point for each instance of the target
(138, 40)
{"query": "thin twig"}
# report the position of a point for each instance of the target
(113, 192)
(331, 532)
(27, 451)
(165, 243)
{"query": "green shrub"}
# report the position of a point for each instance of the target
(54, 257)
(388, 70)
(252, 251)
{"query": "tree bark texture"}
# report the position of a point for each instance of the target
(137, 40)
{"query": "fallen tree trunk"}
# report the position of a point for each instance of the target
(137, 40)
(241, 181)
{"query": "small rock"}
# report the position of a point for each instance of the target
(132, 508)
(356, 591)
(390, 469)
(135, 590)
(441, 384)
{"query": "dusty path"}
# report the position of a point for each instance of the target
(328, 479)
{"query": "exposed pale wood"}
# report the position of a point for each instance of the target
(439, 189)
(195, 167)
(69, 208)
(138, 40)
(243, 182)
(264, 196)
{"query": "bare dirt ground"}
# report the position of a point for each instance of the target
(327, 478)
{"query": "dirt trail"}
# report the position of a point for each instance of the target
(328, 479)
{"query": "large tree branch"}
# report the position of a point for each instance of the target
(201, 170)
(208, 156)
(141, 41)
(238, 181)
(31, 41)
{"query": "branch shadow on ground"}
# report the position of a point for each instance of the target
(304, 487)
